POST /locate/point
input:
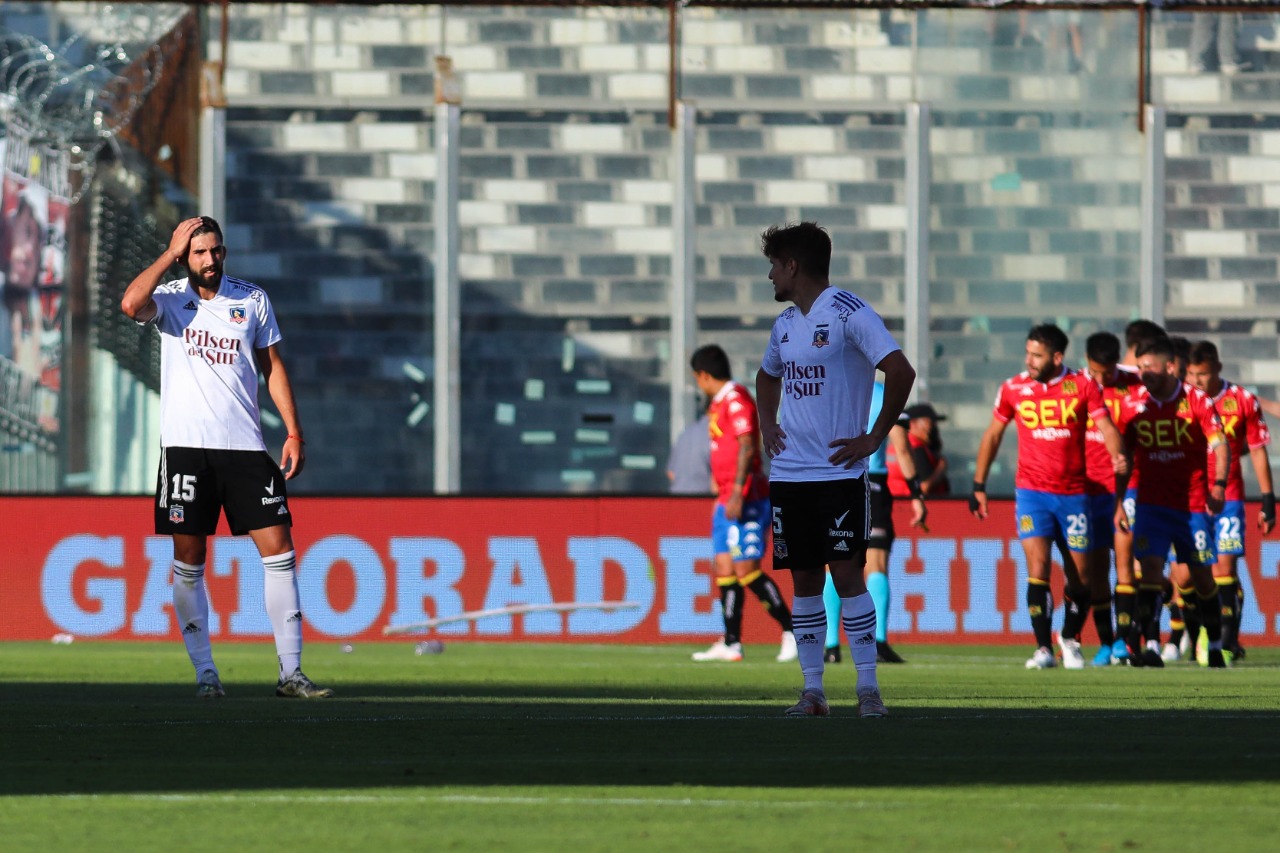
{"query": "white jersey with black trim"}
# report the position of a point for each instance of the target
(208, 364)
(827, 363)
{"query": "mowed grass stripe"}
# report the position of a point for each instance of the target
(529, 747)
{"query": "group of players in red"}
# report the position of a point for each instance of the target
(1138, 457)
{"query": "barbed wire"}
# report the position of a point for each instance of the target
(75, 94)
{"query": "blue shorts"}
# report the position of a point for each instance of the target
(1061, 518)
(1229, 525)
(742, 539)
(1102, 521)
(1157, 528)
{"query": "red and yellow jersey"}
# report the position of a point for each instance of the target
(1052, 419)
(733, 414)
(1122, 400)
(1170, 440)
(1245, 429)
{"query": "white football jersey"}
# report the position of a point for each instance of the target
(208, 367)
(827, 363)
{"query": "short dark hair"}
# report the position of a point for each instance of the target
(1049, 335)
(712, 360)
(1181, 348)
(1142, 330)
(806, 243)
(1102, 348)
(1204, 352)
(209, 225)
(1159, 345)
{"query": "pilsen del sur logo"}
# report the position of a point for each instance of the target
(212, 348)
(803, 380)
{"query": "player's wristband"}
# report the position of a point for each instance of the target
(913, 485)
(296, 438)
(1269, 508)
(1221, 484)
(978, 489)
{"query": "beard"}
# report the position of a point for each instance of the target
(1046, 373)
(209, 276)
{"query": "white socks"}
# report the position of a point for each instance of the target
(283, 609)
(809, 625)
(191, 606)
(859, 617)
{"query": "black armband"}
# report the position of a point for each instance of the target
(1222, 484)
(913, 485)
(1269, 508)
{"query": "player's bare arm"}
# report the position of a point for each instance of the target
(1221, 460)
(768, 398)
(899, 376)
(293, 456)
(1124, 473)
(907, 465)
(746, 455)
(1262, 469)
(988, 447)
(1114, 442)
(137, 303)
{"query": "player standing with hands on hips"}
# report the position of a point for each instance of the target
(819, 369)
(216, 333)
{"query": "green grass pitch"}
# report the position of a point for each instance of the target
(583, 748)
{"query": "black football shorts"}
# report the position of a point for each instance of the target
(820, 522)
(195, 485)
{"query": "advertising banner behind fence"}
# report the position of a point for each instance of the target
(33, 258)
(92, 568)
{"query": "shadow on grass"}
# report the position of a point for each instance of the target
(152, 738)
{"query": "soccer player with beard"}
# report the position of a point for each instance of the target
(1122, 393)
(216, 333)
(742, 506)
(1171, 439)
(1247, 434)
(822, 357)
(1052, 405)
